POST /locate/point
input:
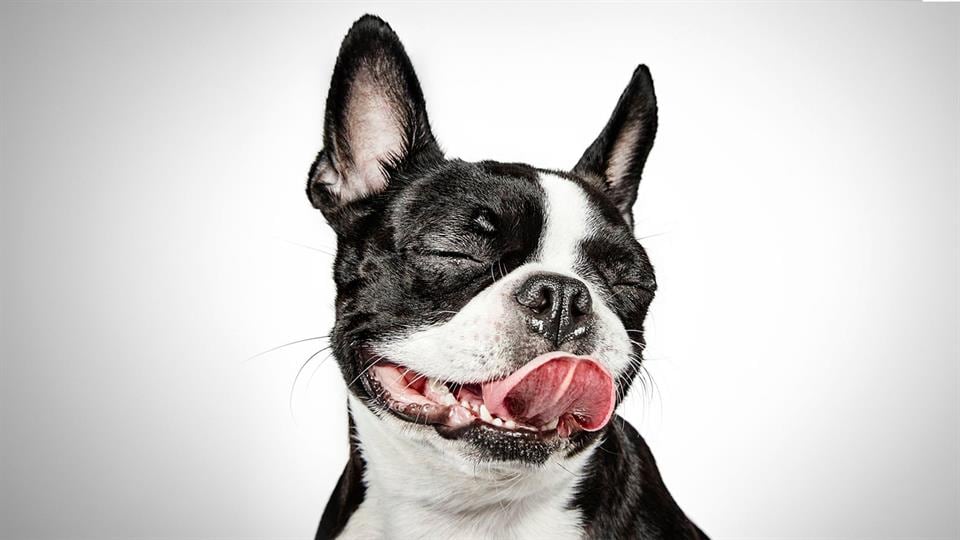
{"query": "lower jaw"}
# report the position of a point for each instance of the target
(490, 444)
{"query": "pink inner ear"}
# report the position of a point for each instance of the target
(618, 167)
(375, 135)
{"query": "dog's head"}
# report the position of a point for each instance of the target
(495, 309)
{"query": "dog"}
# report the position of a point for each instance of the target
(489, 319)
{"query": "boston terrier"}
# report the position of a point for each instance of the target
(489, 320)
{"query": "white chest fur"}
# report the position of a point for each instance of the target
(417, 489)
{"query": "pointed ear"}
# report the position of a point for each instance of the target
(375, 122)
(614, 162)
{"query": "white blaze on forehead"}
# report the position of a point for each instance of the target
(568, 221)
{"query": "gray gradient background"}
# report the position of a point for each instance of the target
(801, 205)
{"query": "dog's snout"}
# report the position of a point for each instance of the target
(559, 306)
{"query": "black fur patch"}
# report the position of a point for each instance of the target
(622, 495)
(348, 493)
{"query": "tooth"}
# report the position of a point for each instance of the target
(498, 422)
(510, 424)
(448, 399)
(437, 388)
(466, 404)
(551, 425)
(485, 414)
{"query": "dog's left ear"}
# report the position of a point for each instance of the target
(375, 123)
(614, 162)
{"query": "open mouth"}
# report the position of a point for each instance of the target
(554, 395)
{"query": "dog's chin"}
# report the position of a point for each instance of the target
(459, 415)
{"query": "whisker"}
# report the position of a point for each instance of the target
(566, 469)
(655, 388)
(312, 248)
(651, 235)
(414, 380)
(602, 449)
(278, 347)
(299, 372)
(648, 385)
(317, 369)
(372, 363)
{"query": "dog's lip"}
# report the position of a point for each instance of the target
(530, 436)
(456, 408)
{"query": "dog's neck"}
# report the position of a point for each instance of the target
(415, 490)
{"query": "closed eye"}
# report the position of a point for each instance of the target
(452, 255)
(647, 285)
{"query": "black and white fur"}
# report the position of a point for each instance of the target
(431, 252)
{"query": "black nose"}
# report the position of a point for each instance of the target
(559, 305)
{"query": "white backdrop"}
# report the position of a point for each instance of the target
(800, 206)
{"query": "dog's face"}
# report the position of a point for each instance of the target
(493, 310)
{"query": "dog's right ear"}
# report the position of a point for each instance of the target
(375, 122)
(614, 162)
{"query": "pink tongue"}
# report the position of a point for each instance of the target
(553, 385)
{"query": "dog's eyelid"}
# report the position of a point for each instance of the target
(647, 284)
(449, 253)
(465, 257)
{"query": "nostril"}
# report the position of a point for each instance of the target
(544, 299)
(575, 307)
(536, 296)
(580, 303)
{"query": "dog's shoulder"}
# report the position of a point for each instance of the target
(623, 496)
(348, 494)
